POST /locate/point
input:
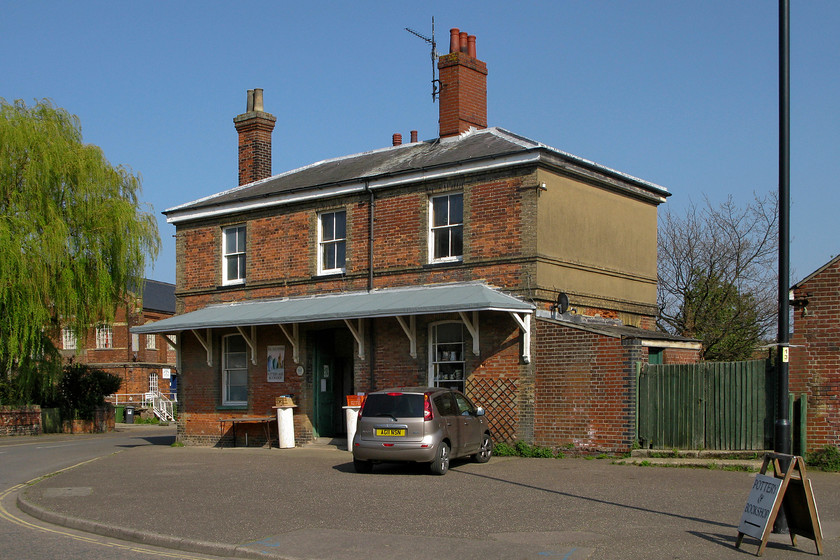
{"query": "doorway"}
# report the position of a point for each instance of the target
(332, 365)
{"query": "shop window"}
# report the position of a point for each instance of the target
(446, 355)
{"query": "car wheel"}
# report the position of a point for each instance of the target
(485, 451)
(441, 463)
(362, 467)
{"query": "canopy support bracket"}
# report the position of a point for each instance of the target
(207, 342)
(358, 333)
(524, 322)
(472, 326)
(294, 339)
(410, 331)
(251, 341)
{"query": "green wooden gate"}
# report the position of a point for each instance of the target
(710, 405)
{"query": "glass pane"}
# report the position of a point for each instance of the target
(240, 261)
(236, 360)
(456, 208)
(237, 393)
(457, 234)
(230, 241)
(441, 243)
(235, 344)
(440, 211)
(449, 332)
(340, 225)
(328, 257)
(240, 239)
(340, 249)
(327, 227)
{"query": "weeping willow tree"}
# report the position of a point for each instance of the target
(73, 236)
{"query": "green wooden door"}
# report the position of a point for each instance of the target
(324, 393)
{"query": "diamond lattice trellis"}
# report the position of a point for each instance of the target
(498, 397)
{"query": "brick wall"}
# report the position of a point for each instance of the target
(20, 421)
(584, 395)
(815, 355)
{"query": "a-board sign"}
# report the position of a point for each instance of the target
(760, 504)
(785, 491)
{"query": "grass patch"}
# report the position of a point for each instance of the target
(826, 459)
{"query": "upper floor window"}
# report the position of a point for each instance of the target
(446, 235)
(68, 339)
(104, 336)
(233, 265)
(151, 342)
(332, 241)
(235, 371)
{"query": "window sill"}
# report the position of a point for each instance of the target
(443, 264)
(330, 274)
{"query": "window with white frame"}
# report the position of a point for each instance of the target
(446, 355)
(234, 370)
(68, 339)
(233, 264)
(332, 241)
(104, 337)
(446, 228)
(151, 342)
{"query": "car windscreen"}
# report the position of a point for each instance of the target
(396, 405)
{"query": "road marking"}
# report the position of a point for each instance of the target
(5, 514)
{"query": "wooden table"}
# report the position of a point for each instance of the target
(264, 420)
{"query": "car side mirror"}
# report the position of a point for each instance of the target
(479, 411)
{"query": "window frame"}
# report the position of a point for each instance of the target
(151, 342)
(225, 387)
(240, 253)
(104, 337)
(448, 227)
(334, 242)
(436, 359)
(69, 341)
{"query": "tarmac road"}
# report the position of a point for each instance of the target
(308, 503)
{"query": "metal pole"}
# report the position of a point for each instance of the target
(783, 431)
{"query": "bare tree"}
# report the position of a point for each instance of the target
(717, 274)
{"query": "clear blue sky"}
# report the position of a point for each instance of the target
(683, 94)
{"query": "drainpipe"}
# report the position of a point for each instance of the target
(371, 206)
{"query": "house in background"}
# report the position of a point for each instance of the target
(145, 363)
(815, 353)
(479, 260)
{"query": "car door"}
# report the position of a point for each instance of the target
(470, 426)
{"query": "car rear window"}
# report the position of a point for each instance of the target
(399, 405)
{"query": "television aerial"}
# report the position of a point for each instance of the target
(434, 55)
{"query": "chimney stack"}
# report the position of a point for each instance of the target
(463, 86)
(396, 139)
(254, 127)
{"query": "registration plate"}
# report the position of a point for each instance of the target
(390, 432)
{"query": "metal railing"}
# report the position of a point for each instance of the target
(162, 406)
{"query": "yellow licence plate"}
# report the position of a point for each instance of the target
(390, 432)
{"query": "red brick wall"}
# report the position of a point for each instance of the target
(20, 421)
(585, 394)
(681, 356)
(815, 355)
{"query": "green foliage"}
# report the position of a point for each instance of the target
(502, 449)
(35, 380)
(82, 389)
(73, 234)
(720, 315)
(826, 459)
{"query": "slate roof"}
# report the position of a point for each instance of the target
(158, 296)
(472, 150)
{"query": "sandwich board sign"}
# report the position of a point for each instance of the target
(784, 491)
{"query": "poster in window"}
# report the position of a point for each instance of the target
(274, 367)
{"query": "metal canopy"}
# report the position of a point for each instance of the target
(404, 304)
(443, 298)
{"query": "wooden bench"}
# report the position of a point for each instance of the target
(264, 420)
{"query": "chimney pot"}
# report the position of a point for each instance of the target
(396, 139)
(413, 136)
(471, 46)
(454, 40)
(249, 102)
(258, 100)
(463, 41)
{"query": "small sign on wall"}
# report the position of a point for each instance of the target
(166, 373)
(275, 366)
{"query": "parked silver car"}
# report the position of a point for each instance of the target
(423, 424)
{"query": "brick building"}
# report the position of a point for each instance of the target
(144, 362)
(481, 260)
(815, 353)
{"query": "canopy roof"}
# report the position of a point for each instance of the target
(390, 302)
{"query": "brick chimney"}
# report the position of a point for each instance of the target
(254, 127)
(463, 86)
